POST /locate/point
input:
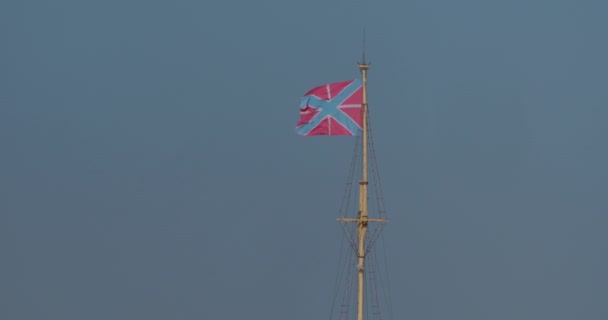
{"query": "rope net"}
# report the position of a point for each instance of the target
(377, 305)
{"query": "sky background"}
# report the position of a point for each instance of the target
(149, 167)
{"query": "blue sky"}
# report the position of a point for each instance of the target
(150, 168)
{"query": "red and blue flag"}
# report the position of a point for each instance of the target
(332, 109)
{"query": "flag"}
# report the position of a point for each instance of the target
(332, 109)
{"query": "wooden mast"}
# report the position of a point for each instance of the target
(362, 219)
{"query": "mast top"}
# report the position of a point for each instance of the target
(363, 65)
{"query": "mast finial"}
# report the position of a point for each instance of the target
(363, 64)
(363, 55)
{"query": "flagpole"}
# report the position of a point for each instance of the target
(363, 216)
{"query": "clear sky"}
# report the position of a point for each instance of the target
(149, 167)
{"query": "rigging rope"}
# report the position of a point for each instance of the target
(346, 277)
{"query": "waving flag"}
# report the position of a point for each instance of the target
(332, 109)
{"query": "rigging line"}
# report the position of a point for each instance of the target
(366, 295)
(382, 209)
(378, 228)
(349, 236)
(373, 306)
(350, 283)
(348, 231)
(338, 277)
(342, 276)
(346, 199)
(376, 190)
(346, 262)
(375, 164)
(377, 172)
(349, 181)
(387, 293)
(370, 283)
(376, 310)
(358, 167)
